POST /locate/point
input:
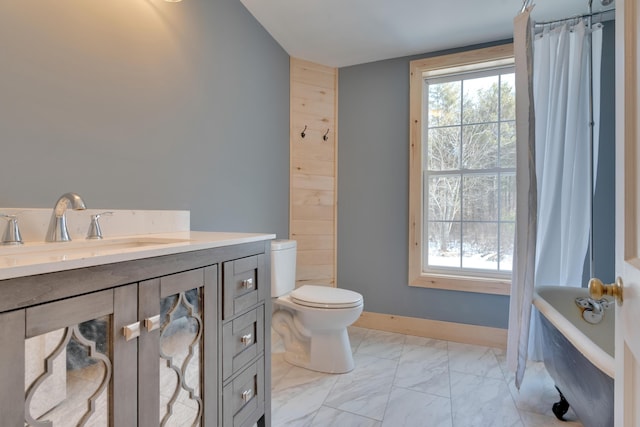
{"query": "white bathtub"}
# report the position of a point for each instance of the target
(578, 355)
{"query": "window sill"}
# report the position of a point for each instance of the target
(462, 283)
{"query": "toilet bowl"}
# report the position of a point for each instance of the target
(312, 320)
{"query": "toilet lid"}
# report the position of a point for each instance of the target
(325, 297)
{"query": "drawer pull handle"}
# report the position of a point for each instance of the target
(247, 339)
(152, 323)
(247, 395)
(247, 284)
(131, 331)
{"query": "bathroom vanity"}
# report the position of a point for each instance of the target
(168, 329)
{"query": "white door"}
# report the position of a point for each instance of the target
(627, 388)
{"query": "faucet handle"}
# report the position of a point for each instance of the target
(11, 234)
(95, 232)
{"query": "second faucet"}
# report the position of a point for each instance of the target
(58, 231)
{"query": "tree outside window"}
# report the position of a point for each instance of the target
(462, 172)
(469, 171)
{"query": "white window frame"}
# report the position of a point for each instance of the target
(489, 282)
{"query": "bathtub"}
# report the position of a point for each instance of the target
(577, 354)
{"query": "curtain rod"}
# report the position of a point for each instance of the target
(586, 15)
(525, 4)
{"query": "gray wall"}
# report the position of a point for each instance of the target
(145, 105)
(604, 198)
(373, 187)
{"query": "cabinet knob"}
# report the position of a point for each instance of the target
(131, 331)
(152, 323)
(247, 284)
(247, 339)
(247, 395)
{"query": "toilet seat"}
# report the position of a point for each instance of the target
(325, 297)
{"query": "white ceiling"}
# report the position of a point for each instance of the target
(340, 33)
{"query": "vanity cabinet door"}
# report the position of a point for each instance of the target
(177, 356)
(65, 363)
(243, 398)
(244, 354)
(242, 341)
(244, 286)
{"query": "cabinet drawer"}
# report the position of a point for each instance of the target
(242, 341)
(243, 398)
(243, 285)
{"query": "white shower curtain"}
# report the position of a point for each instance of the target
(561, 84)
(561, 93)
(562, 156)
(525, 244)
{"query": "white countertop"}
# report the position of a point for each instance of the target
(39, 258)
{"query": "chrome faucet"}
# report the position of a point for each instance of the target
(593, 309)
(12, 233)
(95, 231)
(58, 231)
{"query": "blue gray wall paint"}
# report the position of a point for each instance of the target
(373, 186)
(146, 105)
(604, 197)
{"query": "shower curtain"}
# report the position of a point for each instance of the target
(561, 98)
(522, 281)
(561, 85)
(563, 153)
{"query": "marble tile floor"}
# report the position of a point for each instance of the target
(404, 381)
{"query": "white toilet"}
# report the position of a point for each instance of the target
(312, 320)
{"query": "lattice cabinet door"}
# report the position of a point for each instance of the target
(67, 365)
(178, 351)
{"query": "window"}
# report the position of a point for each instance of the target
(462, 188)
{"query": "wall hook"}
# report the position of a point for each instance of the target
(303, 133)
(325, 137)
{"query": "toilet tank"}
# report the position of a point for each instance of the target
(283, 267)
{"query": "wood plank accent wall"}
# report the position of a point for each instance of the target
(313, 171)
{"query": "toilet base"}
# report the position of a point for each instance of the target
(330, 352)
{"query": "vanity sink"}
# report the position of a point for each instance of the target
(33, 258)
(53, 252)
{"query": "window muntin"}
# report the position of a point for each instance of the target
(469, 172)
(445, 172)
